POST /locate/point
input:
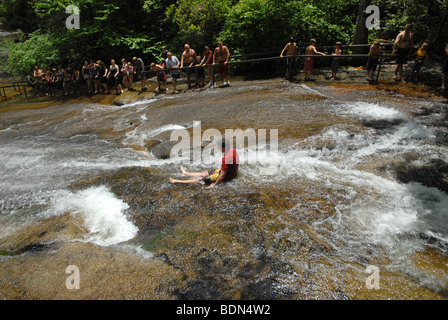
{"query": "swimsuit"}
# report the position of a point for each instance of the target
(212, 176)
(118, 79)
(309, 64)
(93, 71)
(372, 63)
(161, 76)
(86, 73)
(402, 55)
(103, 74)
(223, 68)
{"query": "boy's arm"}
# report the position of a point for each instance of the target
(284, 49)
(317, 52)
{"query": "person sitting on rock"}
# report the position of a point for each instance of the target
(228, 171)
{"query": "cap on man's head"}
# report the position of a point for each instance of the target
(313, 41)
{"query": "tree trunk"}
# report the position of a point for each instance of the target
(440, 27)
(361, 32)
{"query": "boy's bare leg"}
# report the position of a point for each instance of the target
(192, 181)
(193, 174)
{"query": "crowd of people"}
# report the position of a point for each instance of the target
(97, 78)
(402, 52)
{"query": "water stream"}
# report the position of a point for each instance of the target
(343, 196)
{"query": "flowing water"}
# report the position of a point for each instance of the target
(360, 180)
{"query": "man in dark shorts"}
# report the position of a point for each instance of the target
(402, 50)
(188, 59)
(291, 50)
(173, 64)
(445, 69)
(139, 67)
(374, 57)
(228, 171)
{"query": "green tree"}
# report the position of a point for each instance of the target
(198, 21)
(258, 25)
(39, 49)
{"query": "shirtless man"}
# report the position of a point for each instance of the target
(38, 77)
(402, 47)
(445, 69)
(309, 61)
(222, 55)
(187, 60)
(291, 50)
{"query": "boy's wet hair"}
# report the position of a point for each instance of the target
(339, 43)
(313, 41)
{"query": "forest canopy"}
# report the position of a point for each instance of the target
(117, 28)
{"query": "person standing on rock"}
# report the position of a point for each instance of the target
(139, 67)
(228, 171)
(188, 59)
(402, 48)
(222, 56)
(38, 77)
(161, 76)
(445, 69)
(309, 61)
(173, 63)
(291, 51)
(208, 60)
(374, 57)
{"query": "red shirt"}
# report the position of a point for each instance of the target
(230, 163)
(208, 54)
